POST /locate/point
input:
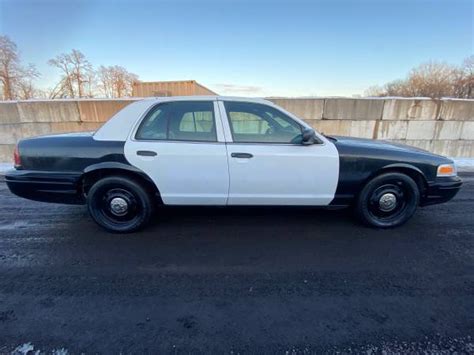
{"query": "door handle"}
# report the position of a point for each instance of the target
(146, 153)
(241, 155)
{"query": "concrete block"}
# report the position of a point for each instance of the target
(100, 110)
(421, 130)
(419, 143)
(307, 109)
(34, 129)
(448, 130)
(391, 130)
(449, 148)
(312, 123)
(6, 153)
(10, 133)
(396, 141)
(441, 147)
(63, 127)
(48, 111)
(9, 113)
(462, 149)
(467, 130)
(333, 127)
(362, 129)
(459, 110)
(409, 109)
(353, 109)
(454, 148)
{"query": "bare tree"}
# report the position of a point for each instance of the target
(432, 79)
(76, 75)
(398, 88)
(375, 90)
(16, 81)
(115, 81)
(105, 81)
(90, 84)
(25, 87)
(464, 82)
(65, 87)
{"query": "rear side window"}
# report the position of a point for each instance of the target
(179, 121)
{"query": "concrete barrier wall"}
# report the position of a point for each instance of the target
(442, 126)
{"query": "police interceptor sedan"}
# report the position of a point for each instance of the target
(225, 152)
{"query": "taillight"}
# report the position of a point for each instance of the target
(16, 157)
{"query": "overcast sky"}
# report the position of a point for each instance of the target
(247, 48)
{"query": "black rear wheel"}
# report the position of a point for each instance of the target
(388, 200)
(119, 204)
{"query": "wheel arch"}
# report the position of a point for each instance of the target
(412, 171)
(94, 173)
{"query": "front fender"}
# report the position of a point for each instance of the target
(404, 166)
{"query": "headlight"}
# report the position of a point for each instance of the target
(446, 170)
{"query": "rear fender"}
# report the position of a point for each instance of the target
(92, 172)
(113, 165)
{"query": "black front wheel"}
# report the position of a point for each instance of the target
(119, 204)
(388, 200)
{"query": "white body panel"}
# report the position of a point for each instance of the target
(185, 173)
(283, 174)
(205, 173)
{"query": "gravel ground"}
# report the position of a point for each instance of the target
(236, 280)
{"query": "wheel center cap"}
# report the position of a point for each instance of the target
(118, 206)
(387, 202)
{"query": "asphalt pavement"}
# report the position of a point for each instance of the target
(236, 280)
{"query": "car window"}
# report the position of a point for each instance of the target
(180, 120)
(258, 123)
(201, 121)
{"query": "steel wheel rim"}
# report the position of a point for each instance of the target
(119, 205)
(389, 201)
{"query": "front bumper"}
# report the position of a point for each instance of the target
(45, 186)
(441, 190)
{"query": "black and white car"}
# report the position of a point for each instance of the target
(225, 152)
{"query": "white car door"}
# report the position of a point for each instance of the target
(180, 146)
(268, 165)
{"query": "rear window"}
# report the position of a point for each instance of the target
(179, 121)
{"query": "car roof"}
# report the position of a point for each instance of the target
(207, 98)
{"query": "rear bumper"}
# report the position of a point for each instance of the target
(441, 190)
(45, 186)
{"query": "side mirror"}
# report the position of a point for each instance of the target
(308, 137)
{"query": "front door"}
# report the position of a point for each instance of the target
(268, 165)
(180, 146)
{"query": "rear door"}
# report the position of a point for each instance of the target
(268, 165)
(180, 146)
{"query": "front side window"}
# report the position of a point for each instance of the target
(180, 121)
(258, 123)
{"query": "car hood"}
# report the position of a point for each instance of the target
(382, 147)
(377, 144)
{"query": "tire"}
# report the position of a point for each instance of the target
(388, 200)
(119, 204)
